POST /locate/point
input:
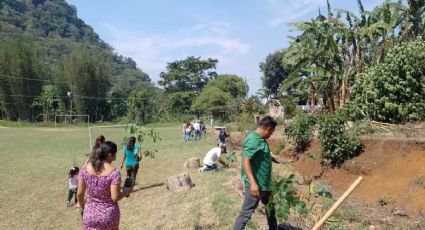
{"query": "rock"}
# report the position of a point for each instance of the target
(179, 182)
(386, 220)
(399, 212)
(192, 163)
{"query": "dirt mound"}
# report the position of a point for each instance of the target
(393, 172)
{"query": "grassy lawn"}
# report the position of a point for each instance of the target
(34, 163)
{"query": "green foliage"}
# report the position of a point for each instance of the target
(212, 101)
(190, 74)
(282, 199)
(180, 102)
(290, 106)
(140, 105)
(141, 134)
(253, 106)
(21, 58)
(324, 191)
(273, 73)
(394, 91)
(300, 130)
(231, 158)
(337, 146)
(88, 76)
(45, 100)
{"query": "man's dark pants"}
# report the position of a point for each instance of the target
(250, 203)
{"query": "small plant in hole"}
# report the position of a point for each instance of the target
(282, 199)
(230, 158)
(324, 191)
(383, 201)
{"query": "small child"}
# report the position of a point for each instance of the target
(73, 184)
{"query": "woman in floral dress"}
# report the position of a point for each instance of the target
(103, 184)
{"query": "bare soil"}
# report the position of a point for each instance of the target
(392, 193)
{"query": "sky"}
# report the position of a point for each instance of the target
(239, 33)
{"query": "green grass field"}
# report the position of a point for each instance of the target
(34, 163)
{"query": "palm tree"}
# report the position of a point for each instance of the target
(45, 100)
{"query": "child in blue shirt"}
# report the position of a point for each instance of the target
(132, 157)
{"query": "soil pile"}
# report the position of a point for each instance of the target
(393, 171)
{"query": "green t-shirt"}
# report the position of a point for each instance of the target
(257, 150)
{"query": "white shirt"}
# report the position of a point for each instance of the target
(196, 126)
(212, 156)
(73, 182)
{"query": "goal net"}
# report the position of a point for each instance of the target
(115, 133)
(72, 120)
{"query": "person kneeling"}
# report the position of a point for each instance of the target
(212, 156)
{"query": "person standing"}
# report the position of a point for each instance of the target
(184, 130)
(102, 182)
(197, 128)
(132, 157)
(256, 172)
(222, 137)
(73, 185)
(187, 132)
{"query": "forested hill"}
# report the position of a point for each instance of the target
(54, 25)
(57, 39)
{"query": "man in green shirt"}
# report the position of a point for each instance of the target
(256, 172)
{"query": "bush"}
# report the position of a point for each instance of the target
(394, 91)
(337, 146)
(300, 130)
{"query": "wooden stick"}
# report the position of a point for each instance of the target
(338, 203)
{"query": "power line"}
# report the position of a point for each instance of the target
(80, 96)
(32, 79)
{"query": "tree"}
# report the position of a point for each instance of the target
(88, 76)
(190, 74)
(212, 101)
(45, 100)
(180, 102)
(234, 85)
(274, 73)
(141, 105)
(21, 72)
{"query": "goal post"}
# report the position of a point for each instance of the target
(71, 116)
(100, 127)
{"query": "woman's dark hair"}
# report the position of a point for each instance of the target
(101, 153)
(131, 143)
(73, 171)
(267, 122)
(99, 140)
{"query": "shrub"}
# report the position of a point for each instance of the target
(394, 91)
(337, 146)
(300, 130)
(282, 198)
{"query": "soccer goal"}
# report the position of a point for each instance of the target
(73, 119)
(109, 131)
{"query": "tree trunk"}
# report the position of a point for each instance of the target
(179, 182)
(331, 101)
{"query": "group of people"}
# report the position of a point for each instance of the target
(193, 130)
(102, 182)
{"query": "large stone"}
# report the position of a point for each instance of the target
(179, 182)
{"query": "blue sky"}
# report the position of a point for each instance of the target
(239, 33)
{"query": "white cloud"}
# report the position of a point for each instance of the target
(285, 11)
(152, 52)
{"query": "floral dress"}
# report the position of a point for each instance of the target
(100, 212)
